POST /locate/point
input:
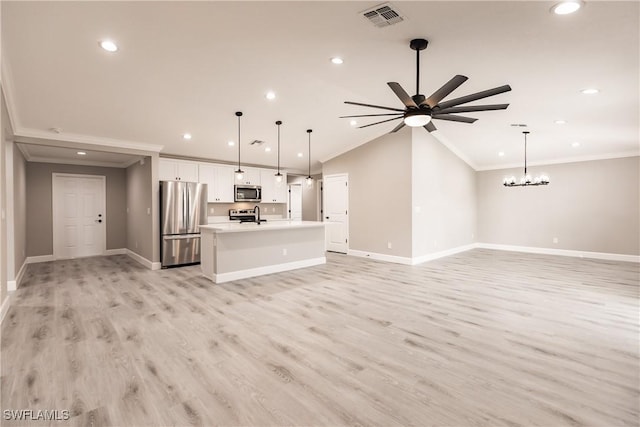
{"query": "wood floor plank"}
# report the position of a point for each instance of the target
(482, 338)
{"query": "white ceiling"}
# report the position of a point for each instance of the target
(188, 66)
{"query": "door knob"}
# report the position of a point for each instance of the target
(98, 220)
(327, 217)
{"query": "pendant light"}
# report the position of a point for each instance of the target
(239, 172)
(526, 179)
(278, 175)
(309, 180)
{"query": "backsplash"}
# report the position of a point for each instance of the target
(222, 209)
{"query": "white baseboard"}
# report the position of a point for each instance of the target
(380, 257)
(12, 285)
(120, 251)
(442, 254)
(562, 252)
(39, 258)
(259, 271)
(410, 261)
(4, 308)
(142, 260)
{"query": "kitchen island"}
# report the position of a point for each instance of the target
(232, 251)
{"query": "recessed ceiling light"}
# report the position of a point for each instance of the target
(108, 45)
(337, 60)
(267, 149)
(300, 154)
(353, 123)
(231, 143)
(186, 136)
(501, 153)
(590, 91)
(575, 144)
(560, 122)
(566, 7)
(270, 95)
(81, 153)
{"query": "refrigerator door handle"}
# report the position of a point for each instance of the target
(181, 237)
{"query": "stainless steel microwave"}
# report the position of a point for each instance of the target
(247, 193)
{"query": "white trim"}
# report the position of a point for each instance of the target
(120, 251)
(269, 269)
(54, 212)
(561, 252)
(380, 257)
(85, 139)
(564, 160)
(6, 304)
(12, 285)
(142, 260)
(442, 254)
(39, 258)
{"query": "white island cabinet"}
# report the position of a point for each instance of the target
(237, 251)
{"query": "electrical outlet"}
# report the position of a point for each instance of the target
(148, 211)
(127, 211)
(284, 251)
(555, 240)
(211, 211)
(273, 209)
(136, 244)
(388, 245)
(473, 235)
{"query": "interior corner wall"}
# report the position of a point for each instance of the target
(140, 215)
(379, 193)
(6, 135)
(443, 197)
(589, 206)
(19, 209)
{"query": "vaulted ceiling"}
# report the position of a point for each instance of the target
(186, 67)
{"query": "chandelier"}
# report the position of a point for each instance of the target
(526, 180)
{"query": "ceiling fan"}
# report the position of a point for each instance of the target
(419, 111)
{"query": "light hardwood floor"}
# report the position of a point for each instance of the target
(482, 338)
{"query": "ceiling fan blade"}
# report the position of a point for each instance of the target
(402, 94)
(453, 118)
(397, 128)
(445, 90)
(430, 127)
(373, 106)
(377, 123)
(470, 108)
(371, 115)
(475, 96)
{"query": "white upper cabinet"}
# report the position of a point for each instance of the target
(219, 180)
(273, 191)
(251, 176)
(178, 170)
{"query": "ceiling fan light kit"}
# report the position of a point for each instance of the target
(526, 179)
(420, 111)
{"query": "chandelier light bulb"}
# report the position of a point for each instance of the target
(309, 181)
(239, 175)
(278, 177)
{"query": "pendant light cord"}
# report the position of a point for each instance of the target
(309, 132)
(278, 123)
(525, 152)
(238, 115)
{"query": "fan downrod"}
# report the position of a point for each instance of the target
(418, 44)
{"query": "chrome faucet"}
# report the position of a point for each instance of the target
(256, 210)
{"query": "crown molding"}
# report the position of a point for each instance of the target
(563, 160)
(71, 140)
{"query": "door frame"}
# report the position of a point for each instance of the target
(320, 201)
(324, 205)
(54, 213)
(289, 185)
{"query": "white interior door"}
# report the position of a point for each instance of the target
(336, 212)
(295, 202)
(79, 221)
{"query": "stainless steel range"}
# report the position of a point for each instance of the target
(246, 215)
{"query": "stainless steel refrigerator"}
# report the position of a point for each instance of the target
(183, 209)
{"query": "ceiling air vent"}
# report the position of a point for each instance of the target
(519, 125)
(256, 142)
(383, 15)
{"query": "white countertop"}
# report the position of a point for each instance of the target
(264, 226)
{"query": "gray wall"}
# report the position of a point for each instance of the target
(5, 138)
(309, 196)
(444, 197)
(589, 206)
(140, 230)
(39, 204)
(379, 193)
(19, 208)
